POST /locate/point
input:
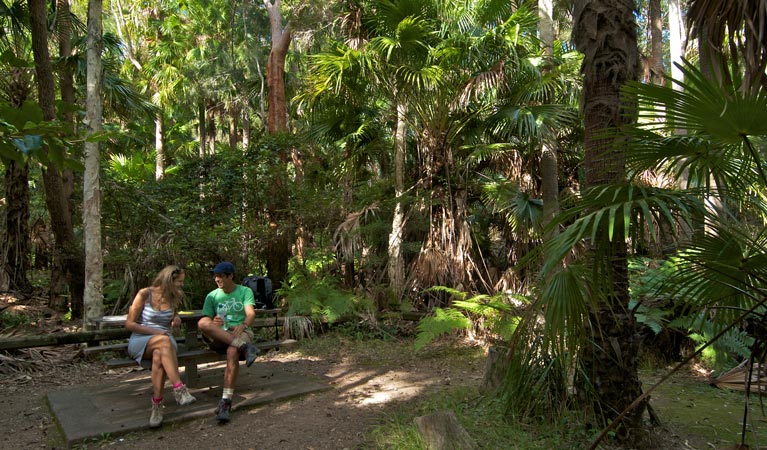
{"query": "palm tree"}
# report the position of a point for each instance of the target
(605, 32)
(16, 89)
(69, 255)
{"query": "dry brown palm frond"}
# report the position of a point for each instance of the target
(346, 238)
(737, 378)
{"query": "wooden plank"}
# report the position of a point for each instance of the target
(121, 346)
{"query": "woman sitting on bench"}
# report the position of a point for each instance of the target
(150, 319)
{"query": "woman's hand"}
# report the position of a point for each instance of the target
(176, 322)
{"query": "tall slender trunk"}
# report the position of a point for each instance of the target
(67, 254)
(282, 228)
(396, 264)
(676, 39)
(277, 114)
(201, 118)
(94, 263)
(159, 147)
(656, 42)
(549, 164)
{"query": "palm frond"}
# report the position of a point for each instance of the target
(627, 207)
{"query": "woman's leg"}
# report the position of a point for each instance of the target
(158, 376)
(164, 358)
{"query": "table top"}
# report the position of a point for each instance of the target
(187, 316)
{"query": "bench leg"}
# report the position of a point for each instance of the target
(190, 373)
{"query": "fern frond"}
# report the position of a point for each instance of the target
(443, 321)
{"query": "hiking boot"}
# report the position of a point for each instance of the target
(251, 352)
(155, 420)
(224, 410)
(183, 397)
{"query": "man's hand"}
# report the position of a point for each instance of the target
(218, 321)
(238, 329)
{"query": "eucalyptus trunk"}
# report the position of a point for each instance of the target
(159, 147)
(396, 264)
(605, 32)
(281, 227)
(68, 257)
(94, 262)
(676, 40)
(656, 42)
(277, 115)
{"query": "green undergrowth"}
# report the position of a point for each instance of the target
(693, 413)
(705, 416)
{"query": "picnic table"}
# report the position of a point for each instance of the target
(191, 351)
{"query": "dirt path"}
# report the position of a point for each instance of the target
(369, 380)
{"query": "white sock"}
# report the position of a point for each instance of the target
(228, 393)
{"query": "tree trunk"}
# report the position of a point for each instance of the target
(676, 40)
(94, 262)
(245, 130)
(281, 228)
(277, 115)
(656, 42)
(234, 138)
(549, 164)
(16, 243)
(15, 246)
(201, 117)
(69, 257)
(159, 147)
(396, 263)
(605, 32)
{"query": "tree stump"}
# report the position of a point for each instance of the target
(442, 431)
(495, 368)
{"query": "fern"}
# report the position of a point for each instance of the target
(497, 313)
(442, 322)
(320, 298)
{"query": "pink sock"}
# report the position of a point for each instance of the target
(178, 385)
(156, 400)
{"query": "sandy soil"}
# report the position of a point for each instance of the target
(369, 381)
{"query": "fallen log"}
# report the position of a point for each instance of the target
(17, 342)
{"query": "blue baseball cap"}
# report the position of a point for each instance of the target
(223, 267)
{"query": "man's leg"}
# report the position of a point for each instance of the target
(224, 409)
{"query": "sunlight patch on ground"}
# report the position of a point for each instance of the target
(373, 388)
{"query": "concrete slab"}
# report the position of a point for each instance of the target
(93, 411)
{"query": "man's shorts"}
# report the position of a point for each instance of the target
(246, 337)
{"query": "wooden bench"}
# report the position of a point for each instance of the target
(192, 351)
(190, 359)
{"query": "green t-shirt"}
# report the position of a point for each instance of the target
(233, 303)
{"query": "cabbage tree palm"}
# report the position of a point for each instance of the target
(720, 274)
(15, 89)
(607, 379)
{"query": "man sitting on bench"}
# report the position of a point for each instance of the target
(228, 313)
